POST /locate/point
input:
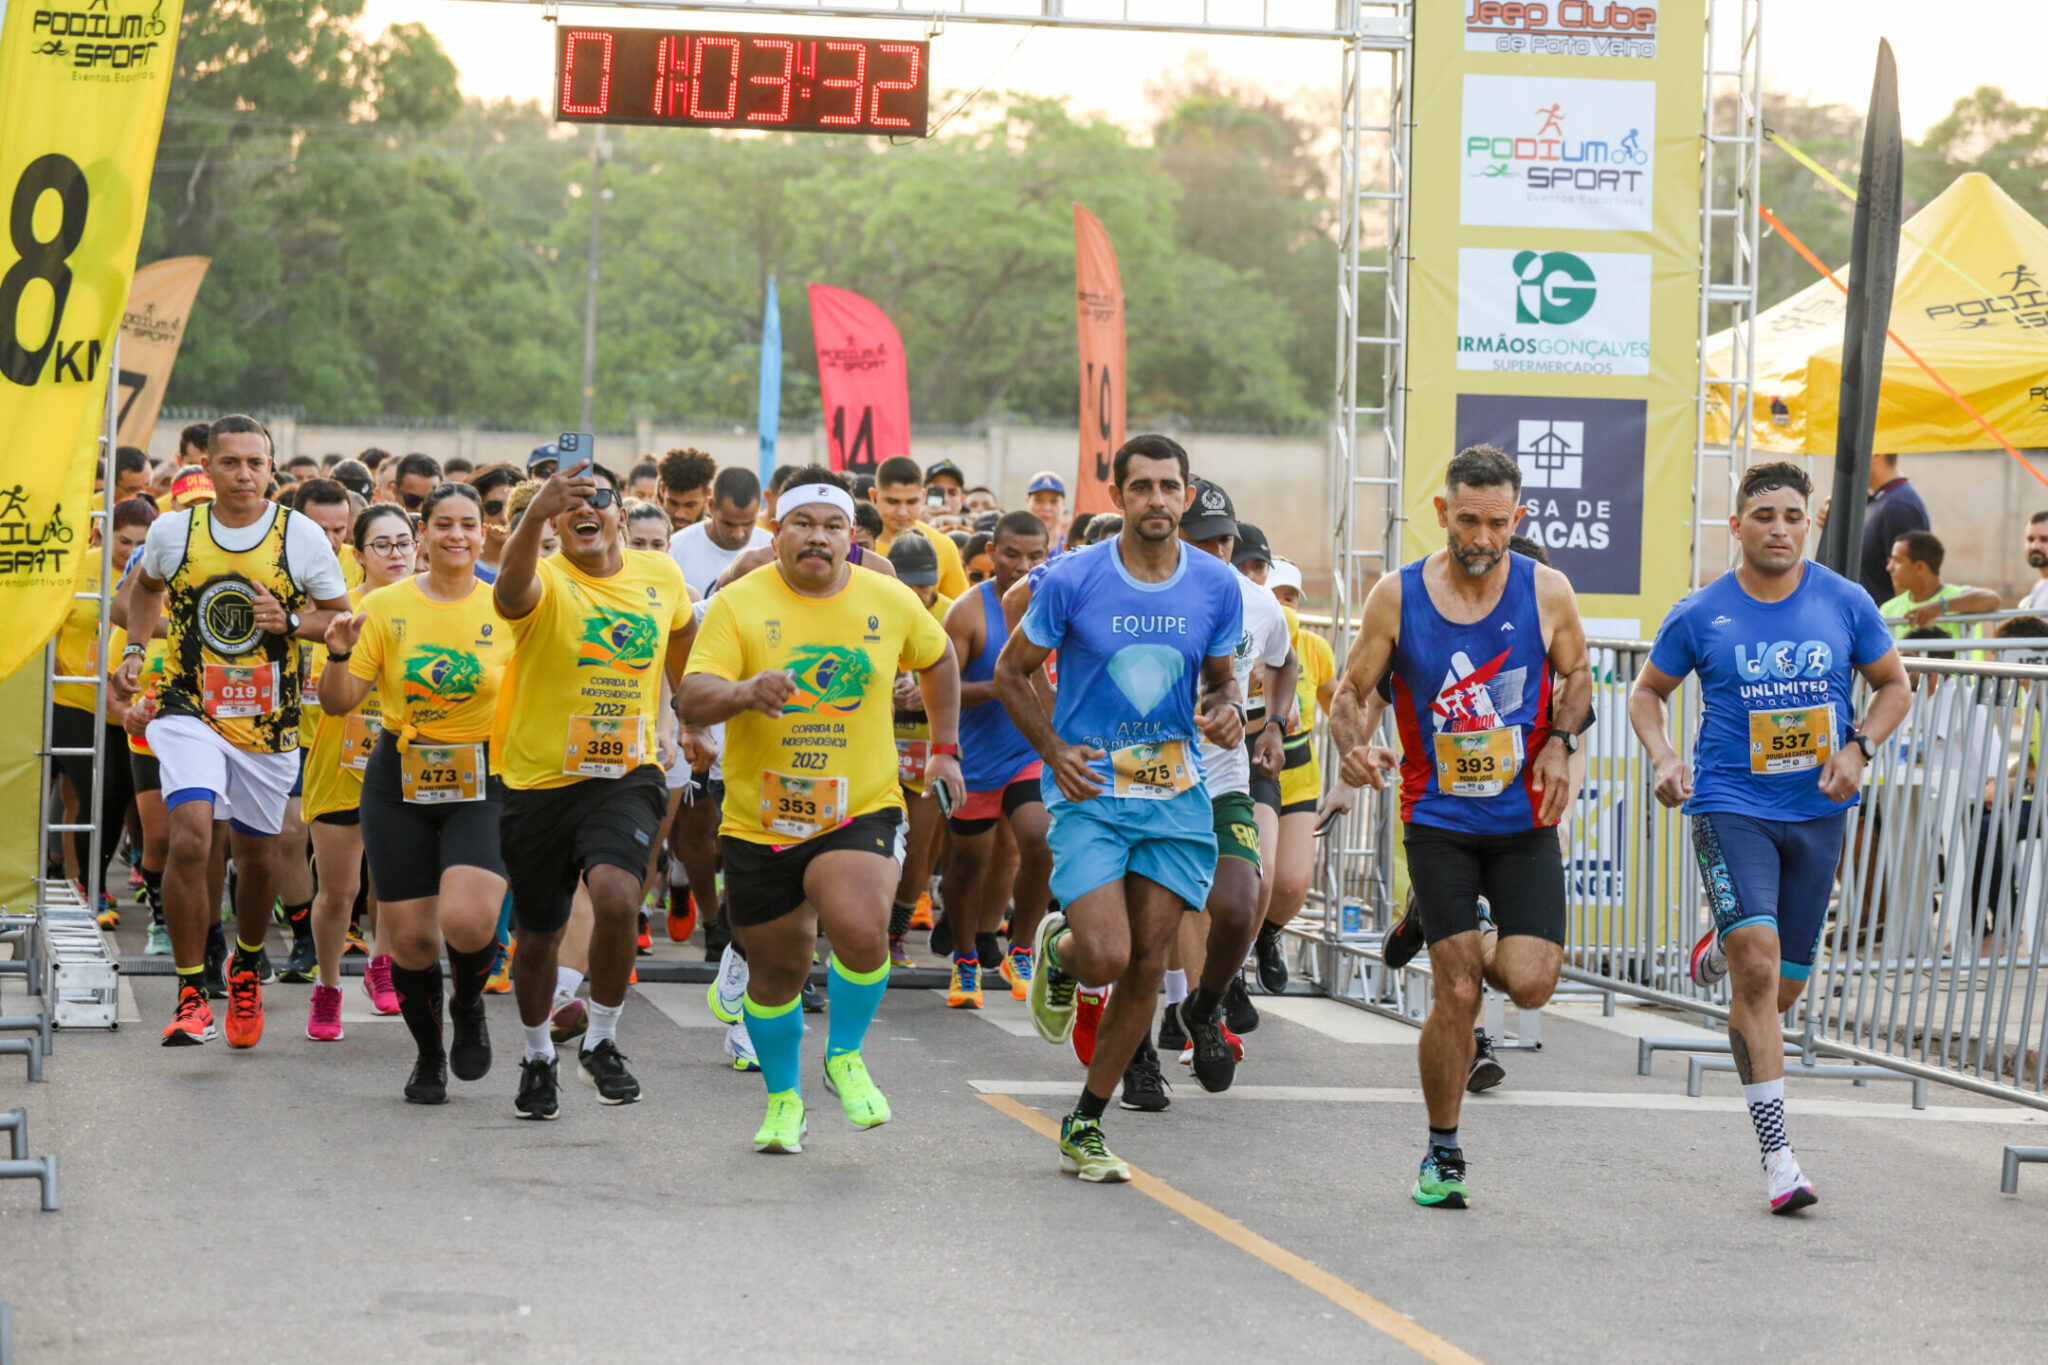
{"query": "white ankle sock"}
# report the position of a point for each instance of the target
(1176, 987)
(567, 979)
(539, 1042)
(604, 1025)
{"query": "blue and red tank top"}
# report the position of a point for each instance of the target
(1472, 703)
(992, 749)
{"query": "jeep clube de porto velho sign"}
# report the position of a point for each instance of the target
(775, 81)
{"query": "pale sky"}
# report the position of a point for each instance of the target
(1823, 48)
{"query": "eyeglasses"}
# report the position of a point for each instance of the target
(386, 546)
(601, 498)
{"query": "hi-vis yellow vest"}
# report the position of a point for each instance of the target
(219, 667)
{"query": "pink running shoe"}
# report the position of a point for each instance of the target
(323, 1023)
(377, 985)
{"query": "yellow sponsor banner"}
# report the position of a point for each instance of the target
(82, 90)
(159, 304)
(1554, 282)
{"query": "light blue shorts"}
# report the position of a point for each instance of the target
(1098, 842)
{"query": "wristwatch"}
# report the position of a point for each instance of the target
(291, 623)
(945, 751)
(1571, 741)
(1866, 744)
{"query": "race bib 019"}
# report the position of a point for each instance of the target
(234, 692)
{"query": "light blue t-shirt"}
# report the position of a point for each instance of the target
(1765, 669)
(1131, 653)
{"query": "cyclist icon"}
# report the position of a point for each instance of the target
(1631, 148)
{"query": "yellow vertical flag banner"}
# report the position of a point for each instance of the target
(82, 91)
(159, 305)
(1554, 284)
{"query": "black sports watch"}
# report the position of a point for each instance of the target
(1571, 741)
(1866, 744)
(291, 623)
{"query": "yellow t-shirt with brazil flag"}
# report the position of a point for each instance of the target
(913, 727)
(437, 665)
(78, 639)
(583, 691)
(831, 755)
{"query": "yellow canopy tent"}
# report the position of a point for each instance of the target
(1988, 339)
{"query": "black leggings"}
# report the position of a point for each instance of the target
(71, 728)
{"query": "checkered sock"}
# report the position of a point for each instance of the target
(1766, 1100)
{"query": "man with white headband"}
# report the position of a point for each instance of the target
(799, 658)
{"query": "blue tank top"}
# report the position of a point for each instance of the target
(1472, 703)
(992, 750)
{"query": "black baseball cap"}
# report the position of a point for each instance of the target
(915, 561)
(1251, 545)
(946, 468)
(1212, 513)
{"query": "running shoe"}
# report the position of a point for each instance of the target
(1016, 969)
(963, 988)
(1187, 1049)
(428, 1083)
(739, 1046)
(109, 916)
(1486, 1072)
(1173, 1040)
(1709, 962)
(1440, 1184)
(158, 942)
(941, 941)
(266, 971)
(377, 986)
(681, 923)
(323, 1020)
(1789, 1188)
(727, 996)
(353, 945)
(1051, 995)
(569, 1019)
(1088, 1008)
(644, 945)
(1144, 1087)
(215, 978)
(921, 918)
(1238, 1010)
(603, 1069)
(193, 1023)
(1215, 1061)
(469, 1046)
(303, 965)
(989, 951)
(1272, 960)
(899, 952)
(245, 1009)
(1082, 1152)
(539, 1080)
(813, 998)
(785, 1128)
(1403, 941)
(135, 875)
(847, 1077)
(500, 980)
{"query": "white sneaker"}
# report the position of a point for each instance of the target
(1709, 961)
(1790, 1190)
(740, 1047)
(727, 994)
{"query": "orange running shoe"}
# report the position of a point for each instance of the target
(1088, 1009)
(245, 1008)
(682, 923)
(963, 991)
(500, 980)
(193, 1023)
(1016, 969)
(921, 918)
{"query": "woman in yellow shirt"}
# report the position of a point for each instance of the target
(1301, 784)
(435, 648)
(384, 545)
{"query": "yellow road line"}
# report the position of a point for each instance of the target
(1355, 1301)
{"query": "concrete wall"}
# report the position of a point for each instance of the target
(1279, 483)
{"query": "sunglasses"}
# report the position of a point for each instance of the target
(601, 498)
(495, 508)
(413, 501)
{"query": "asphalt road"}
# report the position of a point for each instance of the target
(285, 1204)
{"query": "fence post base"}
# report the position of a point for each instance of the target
(25, 1047)
(42, 1169)
(1699, 1066)
(2009, 1176)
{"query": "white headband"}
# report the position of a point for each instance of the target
(801, 495)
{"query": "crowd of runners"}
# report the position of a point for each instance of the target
(524, 720)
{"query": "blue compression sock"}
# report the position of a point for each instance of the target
(777, 1032)
(504, 934)
(854, 997)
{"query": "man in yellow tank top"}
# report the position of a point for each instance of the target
(237, 584)
(575, 741)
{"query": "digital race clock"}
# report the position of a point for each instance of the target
(741, 80)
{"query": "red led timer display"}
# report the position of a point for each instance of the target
(741, 80)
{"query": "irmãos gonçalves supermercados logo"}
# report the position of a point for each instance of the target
(1554, 312)
(96, 37)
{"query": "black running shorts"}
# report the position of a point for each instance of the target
(148, 776)
(763, 883)
(553, 835)
(409, 845)
(1521, 875)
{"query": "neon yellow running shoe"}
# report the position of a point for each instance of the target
(1082, 1152)
(1051, 993)
(785, 1127)
(847, 1077)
